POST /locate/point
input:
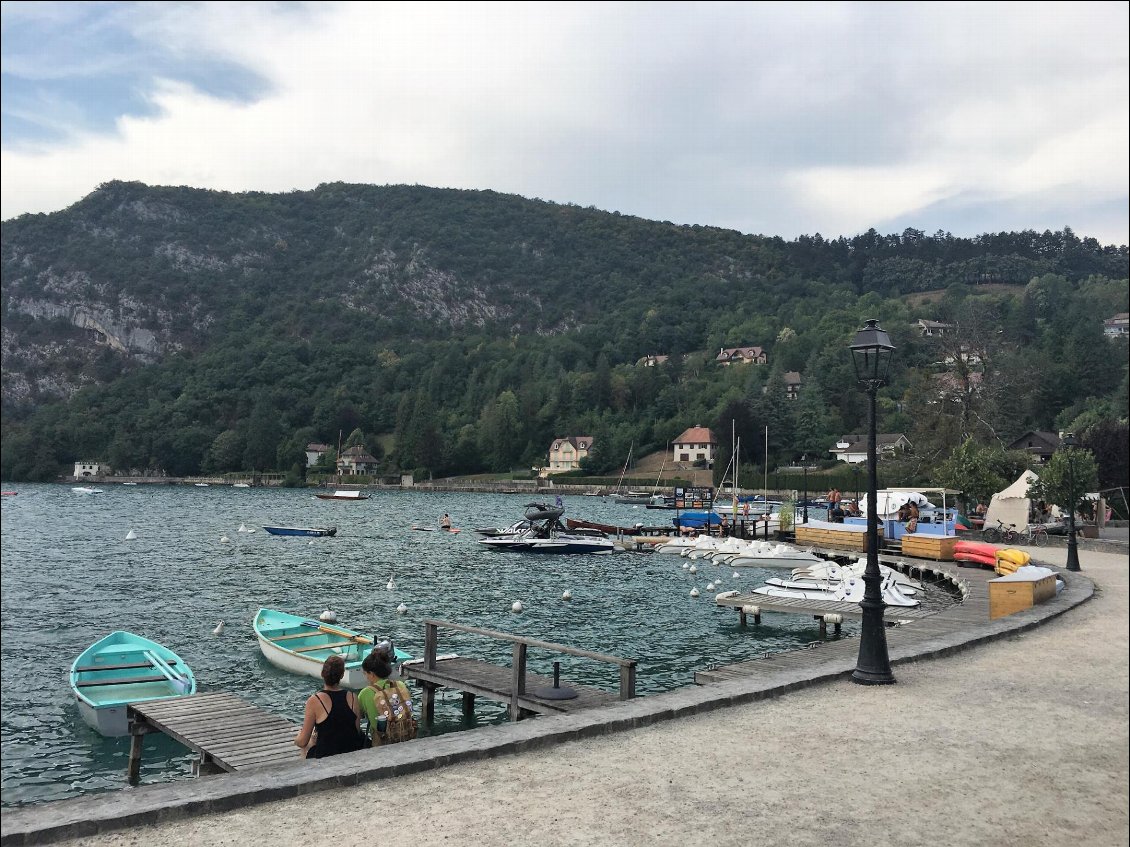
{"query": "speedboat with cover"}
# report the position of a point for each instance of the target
(121, 669)
(546, 534)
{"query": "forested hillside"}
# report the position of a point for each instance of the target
(193, 331)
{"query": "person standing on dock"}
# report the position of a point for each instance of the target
(332, 717)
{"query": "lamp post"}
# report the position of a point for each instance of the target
(871, 352)
(1072, 544)
(804, 460)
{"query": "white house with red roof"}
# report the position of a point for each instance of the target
(695, 444)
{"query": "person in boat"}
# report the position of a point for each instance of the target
(445, 521)
(331, 723)
(386, 703)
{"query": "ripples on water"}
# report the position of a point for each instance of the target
(70, 577)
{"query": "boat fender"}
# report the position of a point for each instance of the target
(402, 609)
(694, 592)
(751, 610)
(568, 595)
(516, 607)
(327, 617)
(225, 540)
(834, 617)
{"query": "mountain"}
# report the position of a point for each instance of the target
(179, 328)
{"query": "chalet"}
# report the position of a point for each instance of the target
(694, 445)
(314, 452)
(355, 461)
(792, 385)
(852, 448)
(1037, 444)
(1118, 326)
(85, 468)
(932, 329)
(565, 454)
(651, 361)
(742, 356)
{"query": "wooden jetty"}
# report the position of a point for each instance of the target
(526, 693)
(225, 731)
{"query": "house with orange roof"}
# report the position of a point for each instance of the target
(695, 444)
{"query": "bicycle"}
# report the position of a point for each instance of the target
(1000, 532)
(1035, 534)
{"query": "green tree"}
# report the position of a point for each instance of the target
(1068, 475)
(977, 470)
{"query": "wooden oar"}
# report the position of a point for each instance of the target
(364, 639)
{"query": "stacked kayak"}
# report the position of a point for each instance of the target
(1004, 560)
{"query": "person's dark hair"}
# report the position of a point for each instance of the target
(376, 664)
(333, 669)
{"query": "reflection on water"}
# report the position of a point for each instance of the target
(70, 577)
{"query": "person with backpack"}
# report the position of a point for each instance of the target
(386, 703)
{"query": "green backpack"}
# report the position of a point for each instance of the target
(396, 702)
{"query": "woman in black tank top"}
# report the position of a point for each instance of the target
(335, 714)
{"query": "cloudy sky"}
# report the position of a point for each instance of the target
(772, 118)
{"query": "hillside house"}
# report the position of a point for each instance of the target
(355, 461)
(314, 452)
(741, 356)
(1118, 326)
(852, 448)
(565, 454)
(651, 361)
(694, 445)
(932, 329)
(1037, 444)
(87, 468)
(792, 384)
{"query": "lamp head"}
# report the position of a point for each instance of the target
(871, 352)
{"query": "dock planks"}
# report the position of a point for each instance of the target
(226, 731)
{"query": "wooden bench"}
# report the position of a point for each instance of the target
(122, 667)
(122, 680)
(329, 646)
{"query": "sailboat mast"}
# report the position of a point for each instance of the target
(766, 465)
(734, 458)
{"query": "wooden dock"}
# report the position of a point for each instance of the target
(226, 732)
(526, 693)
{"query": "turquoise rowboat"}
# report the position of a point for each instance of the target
(301, 646)
(121, 669)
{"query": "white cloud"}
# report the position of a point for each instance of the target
(771, 118)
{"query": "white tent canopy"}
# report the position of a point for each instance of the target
(1012, 506)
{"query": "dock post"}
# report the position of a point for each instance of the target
(428, 707)
(823, 626)
(517, 679)
(468, 703)
(741, 618)
(133, 769)
(628, 681)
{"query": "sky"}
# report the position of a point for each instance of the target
(767, 118)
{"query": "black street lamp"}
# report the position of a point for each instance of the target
(871, 353)
(804, 459)
(1072, 543)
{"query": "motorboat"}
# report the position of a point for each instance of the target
(300, 645)
(546, 534)
(830, 571)
(82, 489)
(121, 669)
(495, 532)
(309, 531)
(849, 591)
(344, 496)
(766, 554)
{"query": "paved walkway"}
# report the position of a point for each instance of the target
(1021, 740)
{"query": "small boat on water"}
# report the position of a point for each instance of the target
(301, 646)
(344, 496)
(309, 531)
(82, 489)
(121, 669)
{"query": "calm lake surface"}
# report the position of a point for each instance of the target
(70, 577)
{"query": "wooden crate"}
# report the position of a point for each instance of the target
(834, 539)
(1008, 596)
(940, 548)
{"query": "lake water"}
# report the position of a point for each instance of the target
(70, 577)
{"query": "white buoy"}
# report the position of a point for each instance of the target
(327, 616)
(131, 535)
(219, 628)
(737, 575)
(402, 609)
(693, 569)
(225, 540)
(568, 595)
(694, 592)
(391, 583)
(243, 527)
(686, 565)
(710, 586)
(516, 607)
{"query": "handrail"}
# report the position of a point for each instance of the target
(518, 659)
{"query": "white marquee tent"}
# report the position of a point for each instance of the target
(1013, 505)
